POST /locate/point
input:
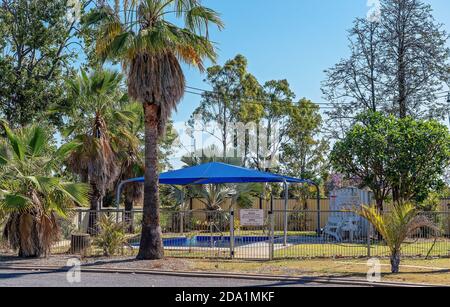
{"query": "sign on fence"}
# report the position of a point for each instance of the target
(252, 217)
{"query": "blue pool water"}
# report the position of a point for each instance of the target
(224, 242)
(208, 241)
(297, 240)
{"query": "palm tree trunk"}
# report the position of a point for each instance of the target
(22, 232)
(94, 210)
(151, 247)
(395, 262)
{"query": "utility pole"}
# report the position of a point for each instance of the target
(448, 101)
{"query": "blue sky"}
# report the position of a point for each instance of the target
(287, 39)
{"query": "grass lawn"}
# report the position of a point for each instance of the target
(417, 249)
(435, 271)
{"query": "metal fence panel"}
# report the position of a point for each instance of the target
(252, 242)
(219, 235)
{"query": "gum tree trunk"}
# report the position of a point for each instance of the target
(151, 247)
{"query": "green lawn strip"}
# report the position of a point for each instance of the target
(435, 271)
(329, 250)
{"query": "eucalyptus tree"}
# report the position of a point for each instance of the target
(31, 195)
(227, 103)
(38, 47)
(277, 101)
(304, 149)
(356, 84)
(416, 58)
(398, 65)
(150, 47)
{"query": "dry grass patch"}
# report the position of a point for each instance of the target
(436, 271)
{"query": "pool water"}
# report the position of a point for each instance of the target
(298, 240)
(216, 241)
(224, 241)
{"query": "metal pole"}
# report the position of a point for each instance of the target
(120, 188)
(232, 233)
(286, 202)
(80, 221)
(271, 228)
(182, 222)
(119, 192)
(319, 229)
(211, 233)
(272, 235)
(368, 239)
(448, 101)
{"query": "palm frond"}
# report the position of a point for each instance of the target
(18, 147)
(11, 202)
(38, 140)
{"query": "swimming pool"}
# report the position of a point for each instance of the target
(224, 241)
(212, 241)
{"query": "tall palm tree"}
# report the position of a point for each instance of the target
(31, 195)
(131, 159)
(396, 226)
(150, 48)
(99, 120)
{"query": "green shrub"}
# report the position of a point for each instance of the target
(111, 237)
(67, 227)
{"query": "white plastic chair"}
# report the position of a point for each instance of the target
(333, 228)
(350, 225)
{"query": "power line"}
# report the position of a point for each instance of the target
(248, 98)
(313, 106)
(202, 92)
(321, 104)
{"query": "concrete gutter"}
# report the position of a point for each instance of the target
(219, 275)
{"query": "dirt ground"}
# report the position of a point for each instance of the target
(433, 271)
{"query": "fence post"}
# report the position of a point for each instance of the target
(181, 222)
(124, 229)
(368, 239)
(272, 235)
(211, 232)
(448, 222)
(232, 233)
(80, 221)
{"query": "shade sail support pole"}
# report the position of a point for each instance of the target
(319, 228)
(286, 203)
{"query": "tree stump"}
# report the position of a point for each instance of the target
(80, 243)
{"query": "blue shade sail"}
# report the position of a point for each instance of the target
(219, 173)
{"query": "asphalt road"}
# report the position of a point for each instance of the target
(11, 278)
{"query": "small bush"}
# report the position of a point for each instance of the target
(111, 237)
(67, 228)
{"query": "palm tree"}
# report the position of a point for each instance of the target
(31, 195)
(150, 48)
(131, 159)
(395, 227)
(99, 120)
